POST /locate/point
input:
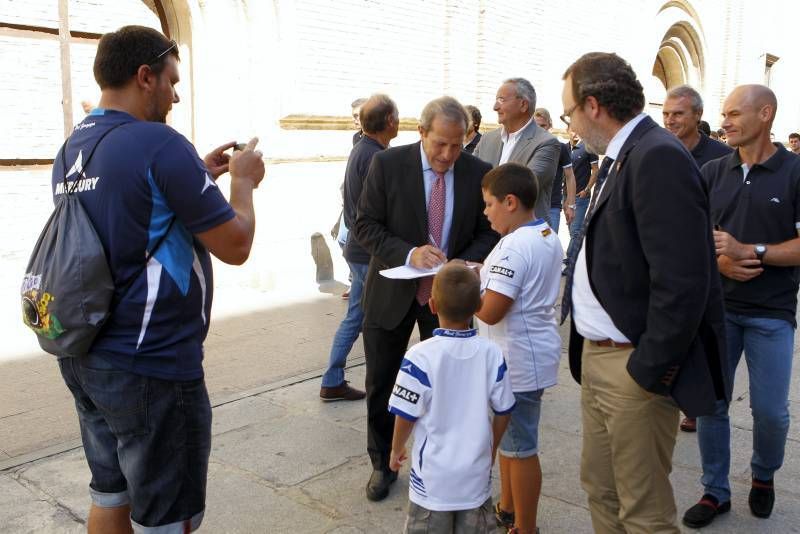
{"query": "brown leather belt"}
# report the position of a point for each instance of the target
(611, 343)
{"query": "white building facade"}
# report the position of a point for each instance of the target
(288, 69)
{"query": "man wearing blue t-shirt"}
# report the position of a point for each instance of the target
(142, 403)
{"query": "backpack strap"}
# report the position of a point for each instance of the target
(70, 190)
(67, 189)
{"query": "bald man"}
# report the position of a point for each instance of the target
(754, 195)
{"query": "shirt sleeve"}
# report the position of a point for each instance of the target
(593, 158)
(566, 158)
(412, 390)
(189, 191)
(502, 397)
(505, 273)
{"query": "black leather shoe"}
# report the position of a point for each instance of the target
(379, 482)
(762, 498)
(703, 513)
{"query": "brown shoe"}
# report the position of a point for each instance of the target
(341, 392)
(346, 295)
(689, 424)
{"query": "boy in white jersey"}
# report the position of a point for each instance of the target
(519, 284)
(443, 393)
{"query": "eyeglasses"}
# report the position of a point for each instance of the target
(503, 100)
(565, 117)
(173, 45)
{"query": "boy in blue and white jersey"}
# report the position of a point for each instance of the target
(519, 284)
(444, 390)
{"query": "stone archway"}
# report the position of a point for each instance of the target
(680, 58)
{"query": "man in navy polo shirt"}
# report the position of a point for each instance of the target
(142, 403)
(754, 195)
(682, 111)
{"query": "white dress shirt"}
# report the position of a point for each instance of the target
(591, 320)
(510, 141)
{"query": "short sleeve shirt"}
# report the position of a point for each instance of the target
(708, 149)
(142, 175)
(564, 161)
(582, 162)
(525, 266)
(762, 206)
(447, 384)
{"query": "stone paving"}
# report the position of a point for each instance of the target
(282, 461)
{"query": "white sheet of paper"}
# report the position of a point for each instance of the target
(407, 272)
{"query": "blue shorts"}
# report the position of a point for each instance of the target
(146, 440)
(521, 439)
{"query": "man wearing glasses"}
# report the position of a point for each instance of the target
(647, 333)
(140, 395)
(520, 140)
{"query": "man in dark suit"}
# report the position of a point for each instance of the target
(647, 332)
(421, 206)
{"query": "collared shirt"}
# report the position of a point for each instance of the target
(446, 385)
(582, 161)
(149, 173)
(510, 141)
(708, 149)
(428, 178)
(591, 320)
(760, 206)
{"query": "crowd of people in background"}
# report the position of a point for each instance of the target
(642, 334)
(683, 255)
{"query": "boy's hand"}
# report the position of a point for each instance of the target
(397, 458)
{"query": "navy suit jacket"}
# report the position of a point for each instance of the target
(652, 265)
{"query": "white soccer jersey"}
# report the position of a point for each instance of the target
(525, 265)
(447, 384)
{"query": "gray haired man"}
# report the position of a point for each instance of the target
(421, 205)
(520, 140)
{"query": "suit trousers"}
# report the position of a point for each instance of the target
(384, 351)
(628, 438)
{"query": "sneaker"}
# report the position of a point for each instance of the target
(504, 519)
(762, 498)
(703, 513)
(341, 392)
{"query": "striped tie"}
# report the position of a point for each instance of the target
(435, 223)
(566, 299)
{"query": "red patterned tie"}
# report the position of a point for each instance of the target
(435, 223)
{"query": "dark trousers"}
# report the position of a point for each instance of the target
(384, 351)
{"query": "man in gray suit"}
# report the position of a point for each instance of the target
(520, 140)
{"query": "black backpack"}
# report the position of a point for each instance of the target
(67, 292)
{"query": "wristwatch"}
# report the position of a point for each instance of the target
(572, 206)
(760, 250)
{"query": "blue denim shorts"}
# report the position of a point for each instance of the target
(146, 440)
(521, 439)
